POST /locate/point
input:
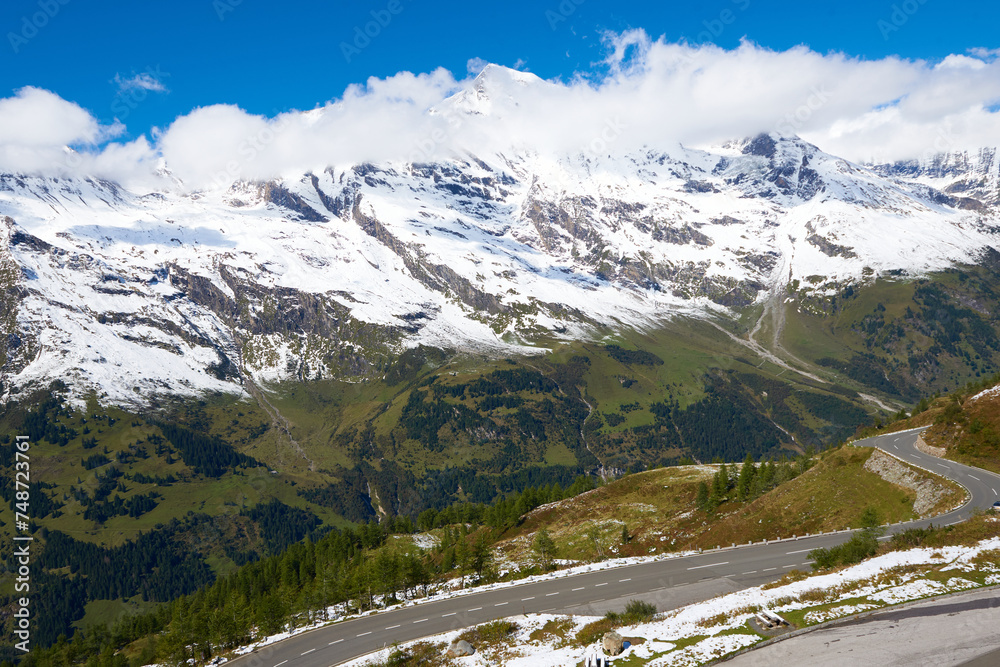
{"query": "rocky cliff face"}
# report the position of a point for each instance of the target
(332, 274)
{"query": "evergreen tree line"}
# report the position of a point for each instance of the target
(748, 482)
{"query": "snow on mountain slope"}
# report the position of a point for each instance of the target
(331, 273)
(962, 175)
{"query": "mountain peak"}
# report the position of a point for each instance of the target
(494, 88)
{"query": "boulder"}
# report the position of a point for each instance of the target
(459, 648)
(612, 643)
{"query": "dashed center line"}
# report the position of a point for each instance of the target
(526, 599)
(578, 589)
(751, 572)
(475, 609)
(975, 478)
(420, 621)
(699, 567)
(308, 652)
(330, 644)
(941, 465)
(622, 581)
(364, 633)
(281, 663)
(447, 615)
(604, 584)
(800, 551)
(499, 604)
(548, 595)
(768, 569)
(392, 627)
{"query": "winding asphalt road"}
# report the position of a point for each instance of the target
(741, 567)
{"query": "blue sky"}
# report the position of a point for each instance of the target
(270, 57)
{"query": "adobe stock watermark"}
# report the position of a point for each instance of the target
(31, 25)
(223, 7)
(793, 121)
(716, 26)
(249, 149)
(426, 148)
(363, 35)
(561, 14)
(612, 130)
(900, 15)
(133, 92)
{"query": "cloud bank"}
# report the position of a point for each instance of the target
(646, 93)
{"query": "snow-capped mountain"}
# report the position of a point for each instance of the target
(332, 272)
(961, 175)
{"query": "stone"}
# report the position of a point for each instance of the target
(460, 648)
(612, 643)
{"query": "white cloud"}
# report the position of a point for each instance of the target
(645, 93)
(142, 81)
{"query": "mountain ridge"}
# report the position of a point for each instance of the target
(335, 272)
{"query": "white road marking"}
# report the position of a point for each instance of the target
(475, 609)
(698, 567)
(751, 572)
(447, 615)
(975, 478)
(785, 567)
(309, 651)
(578, 589)
(499, 604)
(330, 644)
(548, 595)
(800, 551)
(622, 581)
(526, 599)
(281, 663)
(364, 633)
(768, 569)
(604, 584)
(392, 627)
(420, 621)
(942, 465)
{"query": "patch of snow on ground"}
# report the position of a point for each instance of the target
(987, 392)
(911, 591)
(837, 612)
(426, 541)
(705, 650)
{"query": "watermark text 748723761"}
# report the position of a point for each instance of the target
(22, 543)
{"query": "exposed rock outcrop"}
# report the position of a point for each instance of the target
(929, 493)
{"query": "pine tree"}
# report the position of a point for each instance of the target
(701, 500)
(744, 487)
(544, 549)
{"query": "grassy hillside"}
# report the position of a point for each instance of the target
(659, 510)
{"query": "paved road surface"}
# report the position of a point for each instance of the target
(674, 581)
(955, 630)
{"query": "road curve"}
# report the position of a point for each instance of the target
(743, 566)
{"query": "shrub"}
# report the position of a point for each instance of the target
(638, 611)
(861, 546)
(591, 632)
(494, 634)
